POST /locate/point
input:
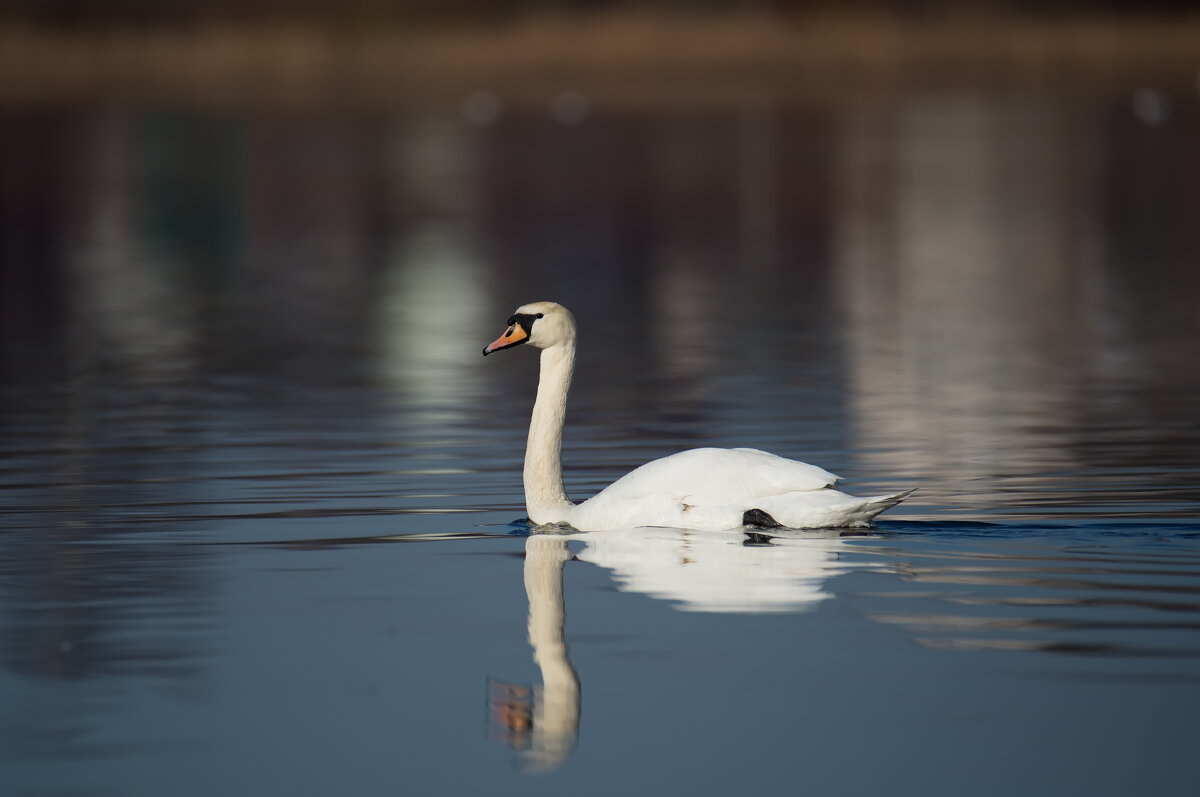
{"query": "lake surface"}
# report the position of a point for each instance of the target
(262, 525)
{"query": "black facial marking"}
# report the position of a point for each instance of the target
(525, 320)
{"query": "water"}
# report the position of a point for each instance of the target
(261, 525)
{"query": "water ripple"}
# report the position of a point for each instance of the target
(1115, 601)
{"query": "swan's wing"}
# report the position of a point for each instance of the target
(717, 476)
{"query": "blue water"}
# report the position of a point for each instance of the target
(262, 526)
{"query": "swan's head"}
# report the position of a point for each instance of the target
(540, 324)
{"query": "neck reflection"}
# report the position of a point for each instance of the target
(541, 722)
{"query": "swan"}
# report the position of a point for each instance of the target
(704, 489)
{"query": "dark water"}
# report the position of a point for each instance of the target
(259, 488)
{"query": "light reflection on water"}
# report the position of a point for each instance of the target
(246, 361)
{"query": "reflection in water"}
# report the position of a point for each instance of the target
(956, 363)
(231, 326)
(542, 722)
(1099, 603)
(432, 304)
(1009, 271)
(85, 632)
(128, 291)
(1106, 606)
(720, 571)
(703, 572)
(972, 260)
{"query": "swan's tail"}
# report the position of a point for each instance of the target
(876, 504)
(819, 509)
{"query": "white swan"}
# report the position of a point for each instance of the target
(707, 489)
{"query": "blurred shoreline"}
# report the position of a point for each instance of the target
(622, 59)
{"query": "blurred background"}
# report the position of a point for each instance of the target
(964, 232)
(250, 251)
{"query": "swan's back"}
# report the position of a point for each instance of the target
(718, 476)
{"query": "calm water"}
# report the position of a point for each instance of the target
(261, 527)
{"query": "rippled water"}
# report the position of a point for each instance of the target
(262, 517)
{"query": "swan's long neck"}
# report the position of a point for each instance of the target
(545, 498)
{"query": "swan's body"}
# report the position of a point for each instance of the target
(708, 489)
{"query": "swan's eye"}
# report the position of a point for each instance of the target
(525, 320)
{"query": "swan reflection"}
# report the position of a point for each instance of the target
(695, 571)
(721, 572)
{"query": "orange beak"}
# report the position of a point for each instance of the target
(513, 336)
